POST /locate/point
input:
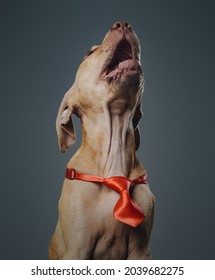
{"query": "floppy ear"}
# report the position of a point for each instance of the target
(136, 119)
(64, 124)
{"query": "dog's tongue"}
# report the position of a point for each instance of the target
(129, 67)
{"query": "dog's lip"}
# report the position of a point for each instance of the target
(123, 60)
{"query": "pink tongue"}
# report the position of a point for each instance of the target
(129, 64)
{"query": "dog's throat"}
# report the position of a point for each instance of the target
(108, 142)
(119, 155)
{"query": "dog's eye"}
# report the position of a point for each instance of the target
(91, 51)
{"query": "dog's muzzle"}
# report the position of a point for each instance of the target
(123, 59)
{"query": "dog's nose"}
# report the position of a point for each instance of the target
(121, 26)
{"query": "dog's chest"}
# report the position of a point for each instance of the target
(111, 246)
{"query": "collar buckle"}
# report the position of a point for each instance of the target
(70, 174)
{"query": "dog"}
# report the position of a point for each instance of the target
(97, 219)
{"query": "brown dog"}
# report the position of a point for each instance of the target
(106, 96)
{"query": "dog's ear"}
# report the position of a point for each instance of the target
(136, 119)
(64, 124)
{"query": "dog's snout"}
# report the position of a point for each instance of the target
(121, 26)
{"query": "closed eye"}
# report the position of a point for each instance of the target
(91, 51)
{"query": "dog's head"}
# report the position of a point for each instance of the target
(109, 71)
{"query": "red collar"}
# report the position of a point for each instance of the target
(126, 209)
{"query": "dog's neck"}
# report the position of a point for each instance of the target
(108, 139)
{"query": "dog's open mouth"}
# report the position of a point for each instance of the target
(121, 63)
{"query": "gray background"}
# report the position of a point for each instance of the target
(42, 44)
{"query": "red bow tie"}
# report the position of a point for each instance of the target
(126, 210)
